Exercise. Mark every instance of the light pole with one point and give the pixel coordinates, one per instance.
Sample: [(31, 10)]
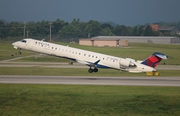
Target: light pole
[(50, 31), (24, 29), (27, 33)]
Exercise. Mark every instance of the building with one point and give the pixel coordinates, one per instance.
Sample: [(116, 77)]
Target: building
[(155, 27), (104, 41), (172, 30), (165, 29), (124, 40)]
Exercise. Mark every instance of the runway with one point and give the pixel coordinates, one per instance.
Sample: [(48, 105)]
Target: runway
[(66, 65), (87, 80)]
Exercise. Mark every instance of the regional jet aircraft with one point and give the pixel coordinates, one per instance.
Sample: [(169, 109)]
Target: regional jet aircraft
[(92, 59)]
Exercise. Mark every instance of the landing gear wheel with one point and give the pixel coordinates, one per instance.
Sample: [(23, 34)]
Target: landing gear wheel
[(90, 70), (95, 70), (19, 52)]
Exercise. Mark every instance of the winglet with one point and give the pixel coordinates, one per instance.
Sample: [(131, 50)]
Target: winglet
[(154, 59), (160, 55)]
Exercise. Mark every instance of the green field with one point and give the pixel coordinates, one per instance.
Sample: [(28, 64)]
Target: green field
[(76, 100), (136, 51), (82, 100), (7, 50), (77, 72)]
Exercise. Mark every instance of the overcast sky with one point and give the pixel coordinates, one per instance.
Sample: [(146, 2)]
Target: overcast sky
[(126, 12)]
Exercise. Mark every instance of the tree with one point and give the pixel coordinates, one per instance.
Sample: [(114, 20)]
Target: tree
[(2, 30), (106, 32), (140, 31), (75, 30), (92, 28), (121, 30), (31, 27), (57, 26), (42, 29), (69, 31), (107, 25), (149, 32), (15, 29)]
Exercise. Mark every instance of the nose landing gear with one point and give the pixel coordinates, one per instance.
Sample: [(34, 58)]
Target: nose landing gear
[(19, 51)]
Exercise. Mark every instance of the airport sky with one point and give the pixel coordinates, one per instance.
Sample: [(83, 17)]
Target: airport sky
[(123, 12)]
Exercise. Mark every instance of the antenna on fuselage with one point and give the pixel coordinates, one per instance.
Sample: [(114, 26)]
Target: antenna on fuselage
[(42, 39)]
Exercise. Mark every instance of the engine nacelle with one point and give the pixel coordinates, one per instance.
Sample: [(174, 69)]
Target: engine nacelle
[(130, 59), (126, 63)]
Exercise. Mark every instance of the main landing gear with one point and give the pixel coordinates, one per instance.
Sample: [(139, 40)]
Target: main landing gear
[(92, 70)]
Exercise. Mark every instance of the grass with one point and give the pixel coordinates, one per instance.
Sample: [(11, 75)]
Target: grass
[(43, 58), (7, 50), (76, 100), (76, 72), (138, 51), (79, 100)]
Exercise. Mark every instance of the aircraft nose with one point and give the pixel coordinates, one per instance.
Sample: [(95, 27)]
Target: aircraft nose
[(15, 44)]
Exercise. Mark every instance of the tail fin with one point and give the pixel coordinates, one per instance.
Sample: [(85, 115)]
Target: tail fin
[(154, 59)]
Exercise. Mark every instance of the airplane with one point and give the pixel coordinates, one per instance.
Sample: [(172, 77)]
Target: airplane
[(92, 59)]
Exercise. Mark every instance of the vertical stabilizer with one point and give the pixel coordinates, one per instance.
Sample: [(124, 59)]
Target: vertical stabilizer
[(154, 59)]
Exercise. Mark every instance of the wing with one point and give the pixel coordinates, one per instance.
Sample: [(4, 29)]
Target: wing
[(90, 64)]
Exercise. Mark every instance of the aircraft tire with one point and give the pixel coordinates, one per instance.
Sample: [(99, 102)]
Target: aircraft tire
[(90, 70), (95, 70)]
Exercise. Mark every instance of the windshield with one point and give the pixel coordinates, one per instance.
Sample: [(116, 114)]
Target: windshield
[(23, 41)]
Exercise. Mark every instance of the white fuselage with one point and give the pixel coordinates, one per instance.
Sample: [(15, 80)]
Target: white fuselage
[(83, 56)]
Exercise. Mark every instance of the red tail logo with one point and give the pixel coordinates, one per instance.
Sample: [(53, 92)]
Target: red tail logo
[(154, 59)]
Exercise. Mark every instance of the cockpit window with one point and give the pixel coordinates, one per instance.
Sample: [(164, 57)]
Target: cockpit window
[(23, 41)]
